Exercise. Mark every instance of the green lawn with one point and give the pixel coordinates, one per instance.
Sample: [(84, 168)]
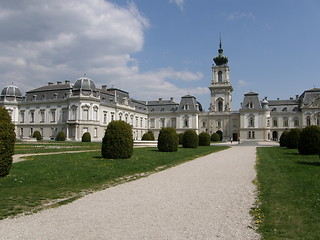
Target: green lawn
[(57, 179), (54, 146), (289, 186)]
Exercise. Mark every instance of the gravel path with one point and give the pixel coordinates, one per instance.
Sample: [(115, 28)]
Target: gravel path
[(208, 198)]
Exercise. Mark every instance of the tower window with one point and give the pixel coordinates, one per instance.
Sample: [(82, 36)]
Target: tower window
[(220, 76), (220, 106)]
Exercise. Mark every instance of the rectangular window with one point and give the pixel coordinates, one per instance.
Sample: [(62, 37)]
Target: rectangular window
[(296, 122), (253, 134), (105, 115), (85, 114), (42, 116), (21, 116), (249, 134), (162, 122), (141, 122), (95, 132), (21, 132), (137, 121), (152, 123), (53, 116), (64, 115), (173, 122), (275, 122), (32, 116)]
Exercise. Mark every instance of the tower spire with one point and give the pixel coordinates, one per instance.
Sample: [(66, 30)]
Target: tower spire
[(220, 59)]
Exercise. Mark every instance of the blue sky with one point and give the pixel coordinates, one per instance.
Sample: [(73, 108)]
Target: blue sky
[(163, 48)]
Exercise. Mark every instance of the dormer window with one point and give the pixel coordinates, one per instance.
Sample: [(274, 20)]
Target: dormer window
[(186, 107), (284, 109), (273, 110), (55, 95), (34, 98), (250, 105)]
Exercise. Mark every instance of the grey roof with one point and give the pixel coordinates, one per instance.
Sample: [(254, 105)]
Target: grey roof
[(309, 96), (12, 91), (162, 106), (85, 84), (52, 87), (188, 103), (251, 101)]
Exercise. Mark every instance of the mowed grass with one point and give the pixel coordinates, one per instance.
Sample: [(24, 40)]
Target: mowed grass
[(54, 146), (289, 186), (51, 180)]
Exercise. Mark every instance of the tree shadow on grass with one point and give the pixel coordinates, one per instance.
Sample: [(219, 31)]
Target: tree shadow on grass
[(317, 164)]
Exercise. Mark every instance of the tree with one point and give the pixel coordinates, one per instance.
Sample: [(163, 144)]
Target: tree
[(61, 136), (293, 137), (86, 137), (204, 139), (215, 137), (283, 139), (37, 135), (117, 142), (309, 142), (7, 140), (190, 139), (168, 140)]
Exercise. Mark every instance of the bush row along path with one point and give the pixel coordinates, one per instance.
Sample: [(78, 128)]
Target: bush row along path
[(208, 198)]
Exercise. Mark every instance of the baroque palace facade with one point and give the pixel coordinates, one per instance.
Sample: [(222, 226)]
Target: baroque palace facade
[(81, 107)]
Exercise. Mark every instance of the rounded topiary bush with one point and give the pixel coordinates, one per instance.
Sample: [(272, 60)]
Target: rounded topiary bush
[(215, 137), (283, 139), (190, 139), (61, 136), (204, 139), (168, 140), (309, 142), (117, 142), (180, 138), (86, 137), (293, 137), (148, 136), (7, 140), (37, 135)]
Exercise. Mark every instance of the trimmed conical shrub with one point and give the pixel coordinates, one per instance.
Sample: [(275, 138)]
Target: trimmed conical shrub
[(117, 142), (190, 139), (215, 137), (61, 136), (309, 142), (283, 139), (293, 137), (168, 140), (148, 136), (86, 137), (7, 140), (204, 139), (37, 135)]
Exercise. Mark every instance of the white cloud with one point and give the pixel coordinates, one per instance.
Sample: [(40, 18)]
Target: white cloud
[(45, 41), (179, 3), (242, 83), (241, 15)]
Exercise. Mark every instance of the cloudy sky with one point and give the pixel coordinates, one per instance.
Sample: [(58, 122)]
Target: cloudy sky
[(162, 48)]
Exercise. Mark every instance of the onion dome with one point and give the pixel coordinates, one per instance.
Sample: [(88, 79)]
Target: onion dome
[(220, 59), (11, 91), (84, 83)]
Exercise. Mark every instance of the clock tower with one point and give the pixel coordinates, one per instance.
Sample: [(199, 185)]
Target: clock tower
[(221, 89)]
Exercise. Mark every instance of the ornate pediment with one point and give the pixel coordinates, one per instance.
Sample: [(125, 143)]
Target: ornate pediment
[(315, 103)]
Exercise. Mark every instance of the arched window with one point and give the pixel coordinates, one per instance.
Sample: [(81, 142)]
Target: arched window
[(220, 76), (318, 120), (285, 122), (251, 122), (308, 120), (220, 106), (296, 122)]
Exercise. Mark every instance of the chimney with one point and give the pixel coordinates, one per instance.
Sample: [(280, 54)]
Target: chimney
[(58, 82), (67, 82), (278, 99), (171, 99), (104, 87), (297, 97), (50, 83), (160, 100)]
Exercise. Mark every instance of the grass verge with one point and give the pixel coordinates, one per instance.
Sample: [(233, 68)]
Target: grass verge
[(54, 146), (51, 180), (289, 188)]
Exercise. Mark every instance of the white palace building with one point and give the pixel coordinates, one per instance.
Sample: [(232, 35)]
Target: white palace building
[(79, 107)]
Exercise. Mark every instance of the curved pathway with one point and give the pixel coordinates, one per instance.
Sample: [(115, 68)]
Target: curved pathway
[(208, 198)]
